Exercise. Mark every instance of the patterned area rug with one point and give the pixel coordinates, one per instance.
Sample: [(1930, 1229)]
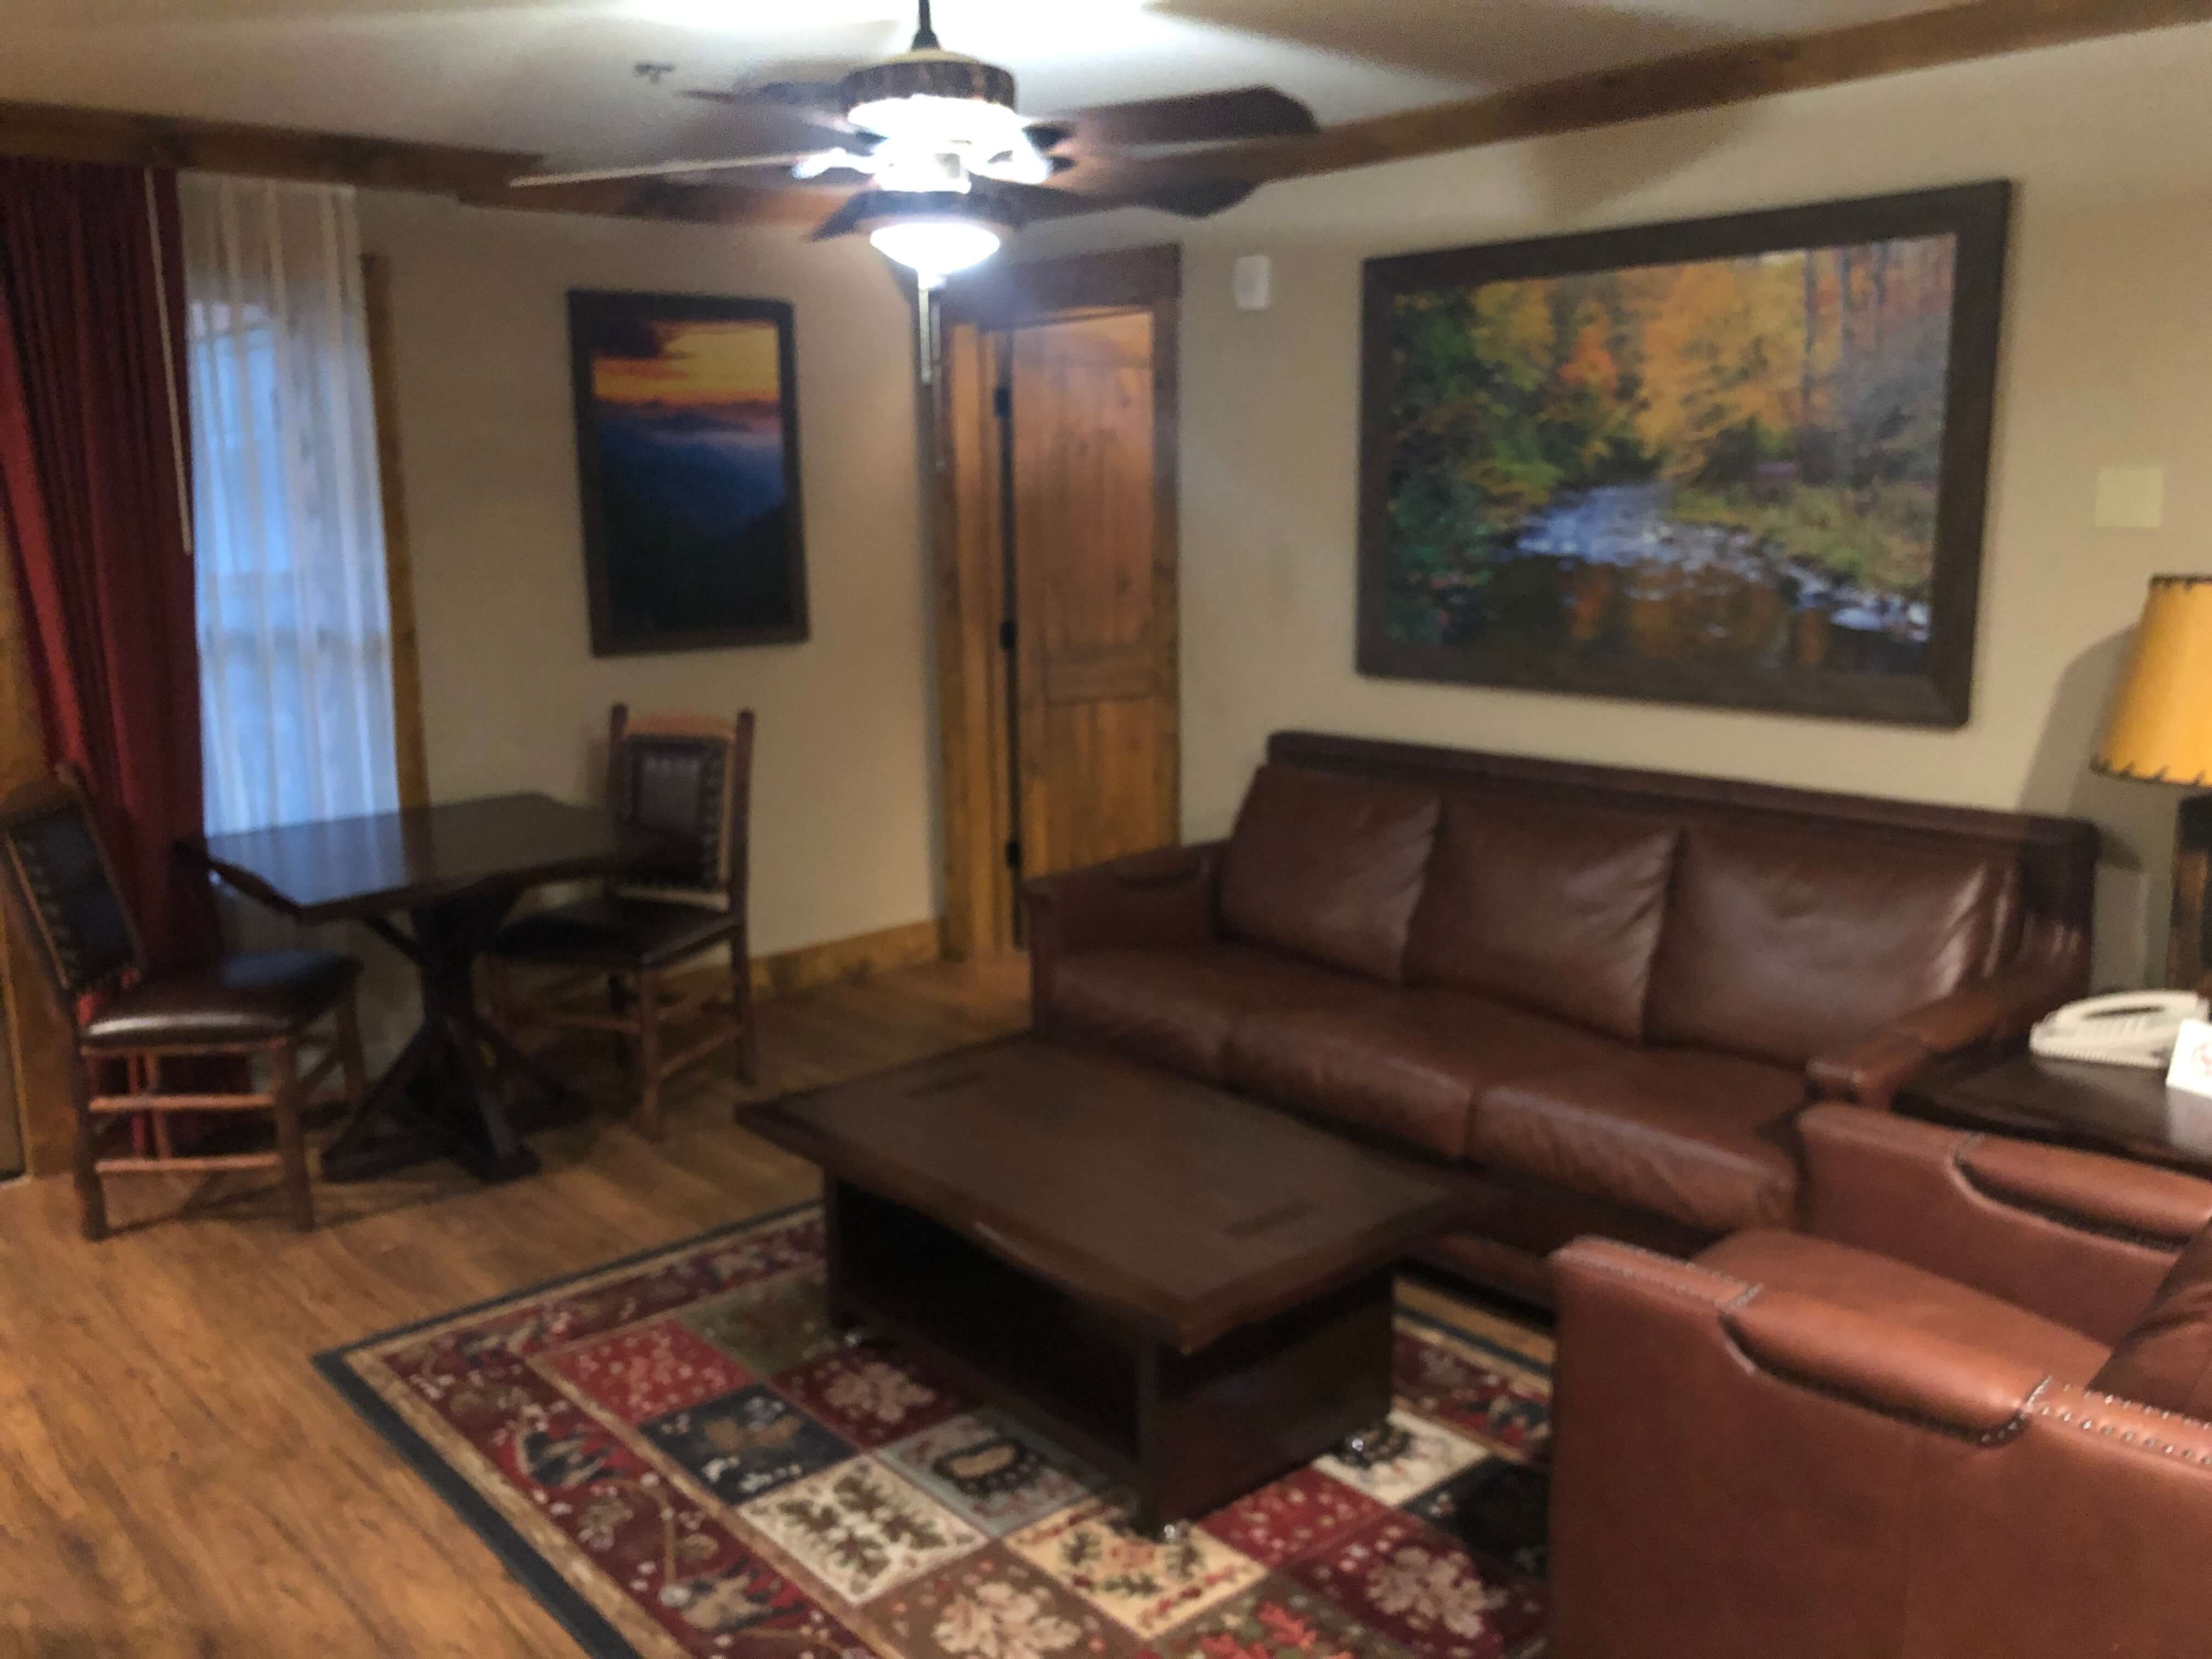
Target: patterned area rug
[(678, 1459)]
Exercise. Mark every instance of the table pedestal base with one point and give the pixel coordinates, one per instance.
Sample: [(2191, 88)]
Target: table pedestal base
[(444, 1097)]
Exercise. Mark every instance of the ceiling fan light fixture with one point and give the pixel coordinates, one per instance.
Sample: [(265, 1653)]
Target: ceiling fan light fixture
[(936, 236), (915, 170), (932, 118), (936, 246)]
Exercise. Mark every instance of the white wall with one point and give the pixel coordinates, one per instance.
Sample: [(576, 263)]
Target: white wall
[(843, 837), (2107, 359)]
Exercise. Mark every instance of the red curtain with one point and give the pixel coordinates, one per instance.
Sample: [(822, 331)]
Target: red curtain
[(92, 471)]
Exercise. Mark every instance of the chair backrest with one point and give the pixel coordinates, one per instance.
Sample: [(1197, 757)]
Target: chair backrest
[(690, 776), (64, 887)]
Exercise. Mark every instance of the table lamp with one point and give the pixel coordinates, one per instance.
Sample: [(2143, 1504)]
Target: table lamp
[(2159, 731)]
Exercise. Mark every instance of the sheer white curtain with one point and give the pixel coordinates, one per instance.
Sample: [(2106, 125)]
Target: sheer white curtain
[(294, 620)]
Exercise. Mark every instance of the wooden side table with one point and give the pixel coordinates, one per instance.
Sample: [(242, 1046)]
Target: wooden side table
[(2124, 1110)]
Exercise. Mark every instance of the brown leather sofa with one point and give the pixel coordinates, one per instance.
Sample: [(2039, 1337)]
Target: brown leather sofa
[(1963, 1415), (1602, 996)]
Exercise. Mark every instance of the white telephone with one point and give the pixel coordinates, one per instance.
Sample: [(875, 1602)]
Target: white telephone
[(2127, 1028)]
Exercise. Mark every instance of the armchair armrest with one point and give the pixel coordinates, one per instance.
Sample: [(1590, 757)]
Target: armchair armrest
[(1165, 898), (1742, 1473), (2074, 1236), (1871, 1071)]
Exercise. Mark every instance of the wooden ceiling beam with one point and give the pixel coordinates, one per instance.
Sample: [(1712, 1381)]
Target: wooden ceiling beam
[(1710, 78), (174, 141)]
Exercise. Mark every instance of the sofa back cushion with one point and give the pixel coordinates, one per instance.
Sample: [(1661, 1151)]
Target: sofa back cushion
[(1554, 908), (2165, 1359), (1785, 944), (1327, 865)]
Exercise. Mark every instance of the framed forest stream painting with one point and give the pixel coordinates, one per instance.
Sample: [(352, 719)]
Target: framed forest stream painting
[(1739, 461), (687, 446)]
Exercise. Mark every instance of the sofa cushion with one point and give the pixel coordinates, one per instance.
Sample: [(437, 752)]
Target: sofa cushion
[(1884, 1289), (1406, 1065), (1552, 907), (1327, 866), (1705, 1139), (1177, 1007), (1785, 946), (2165, 1359)]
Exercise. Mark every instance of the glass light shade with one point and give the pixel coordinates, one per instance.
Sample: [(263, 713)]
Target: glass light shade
[(2160, 725), (936, 246)]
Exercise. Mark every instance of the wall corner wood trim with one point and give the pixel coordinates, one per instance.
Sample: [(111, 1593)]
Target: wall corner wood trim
[(410, 746), (970, 603)]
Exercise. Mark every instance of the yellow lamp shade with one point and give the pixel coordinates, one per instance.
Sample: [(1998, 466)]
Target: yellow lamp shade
[(2160, 728)]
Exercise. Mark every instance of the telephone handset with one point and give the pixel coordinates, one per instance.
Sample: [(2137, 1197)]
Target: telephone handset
[(2127, 1028)]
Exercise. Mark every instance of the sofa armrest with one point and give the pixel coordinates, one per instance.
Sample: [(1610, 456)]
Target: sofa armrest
[(1871, 1071), (1161, 898), (1709, 1453), (2077, 1237), (1842, 1486)]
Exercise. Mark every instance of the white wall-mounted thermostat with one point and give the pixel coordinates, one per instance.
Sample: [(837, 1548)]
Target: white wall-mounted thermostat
[(1255, 284)]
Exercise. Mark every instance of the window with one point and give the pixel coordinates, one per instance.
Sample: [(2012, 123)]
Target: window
[(294, 617)]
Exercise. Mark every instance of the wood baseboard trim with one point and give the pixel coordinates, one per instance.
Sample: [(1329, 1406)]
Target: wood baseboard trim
[(912, 944)]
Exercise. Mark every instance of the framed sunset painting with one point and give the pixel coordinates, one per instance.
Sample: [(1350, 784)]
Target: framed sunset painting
[(687, 441), (1741, 461)]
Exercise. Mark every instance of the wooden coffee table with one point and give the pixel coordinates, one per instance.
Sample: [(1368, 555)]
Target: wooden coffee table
[(1189, 1290)]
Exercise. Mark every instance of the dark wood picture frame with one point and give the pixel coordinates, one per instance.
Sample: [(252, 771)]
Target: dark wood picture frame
[(595, 315), (1939, 694)]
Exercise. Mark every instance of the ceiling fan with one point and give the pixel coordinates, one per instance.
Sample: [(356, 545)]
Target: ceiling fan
[(947, 165)]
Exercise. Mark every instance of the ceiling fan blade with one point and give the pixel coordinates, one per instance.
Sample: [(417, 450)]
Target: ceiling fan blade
[(822, 96), (663, 170), (848, 218), (1197, 117), (1095, 188)]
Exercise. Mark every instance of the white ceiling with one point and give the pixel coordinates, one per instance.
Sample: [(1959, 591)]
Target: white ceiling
[(558, 77)]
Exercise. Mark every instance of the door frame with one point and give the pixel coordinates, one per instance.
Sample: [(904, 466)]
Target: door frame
[(977, 812)]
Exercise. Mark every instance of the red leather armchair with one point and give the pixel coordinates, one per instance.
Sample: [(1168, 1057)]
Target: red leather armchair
[(1960, 1416)]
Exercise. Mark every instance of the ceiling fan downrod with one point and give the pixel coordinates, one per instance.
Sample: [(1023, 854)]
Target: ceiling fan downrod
[(925, 38)]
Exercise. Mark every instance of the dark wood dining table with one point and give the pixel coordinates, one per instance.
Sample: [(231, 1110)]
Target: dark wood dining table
[(454, 870)]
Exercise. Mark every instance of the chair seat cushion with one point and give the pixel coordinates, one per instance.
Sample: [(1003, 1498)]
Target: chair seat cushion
[(1705, 1139), (615, 932), (1903, 1295), (1177, 1007), (1407, 1066), (250, 998)]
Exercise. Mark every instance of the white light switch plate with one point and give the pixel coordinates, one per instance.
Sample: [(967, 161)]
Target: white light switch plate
[(2131, 498), (1255, 282)]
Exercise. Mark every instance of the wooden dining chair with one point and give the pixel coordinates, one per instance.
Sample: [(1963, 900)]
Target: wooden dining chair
[(126, 1023), (689, 778)]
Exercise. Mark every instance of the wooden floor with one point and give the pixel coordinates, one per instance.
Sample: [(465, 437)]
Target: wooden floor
[(175, 1479)]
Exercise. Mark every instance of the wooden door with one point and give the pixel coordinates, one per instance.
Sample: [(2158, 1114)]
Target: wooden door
[(1091, 587)]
